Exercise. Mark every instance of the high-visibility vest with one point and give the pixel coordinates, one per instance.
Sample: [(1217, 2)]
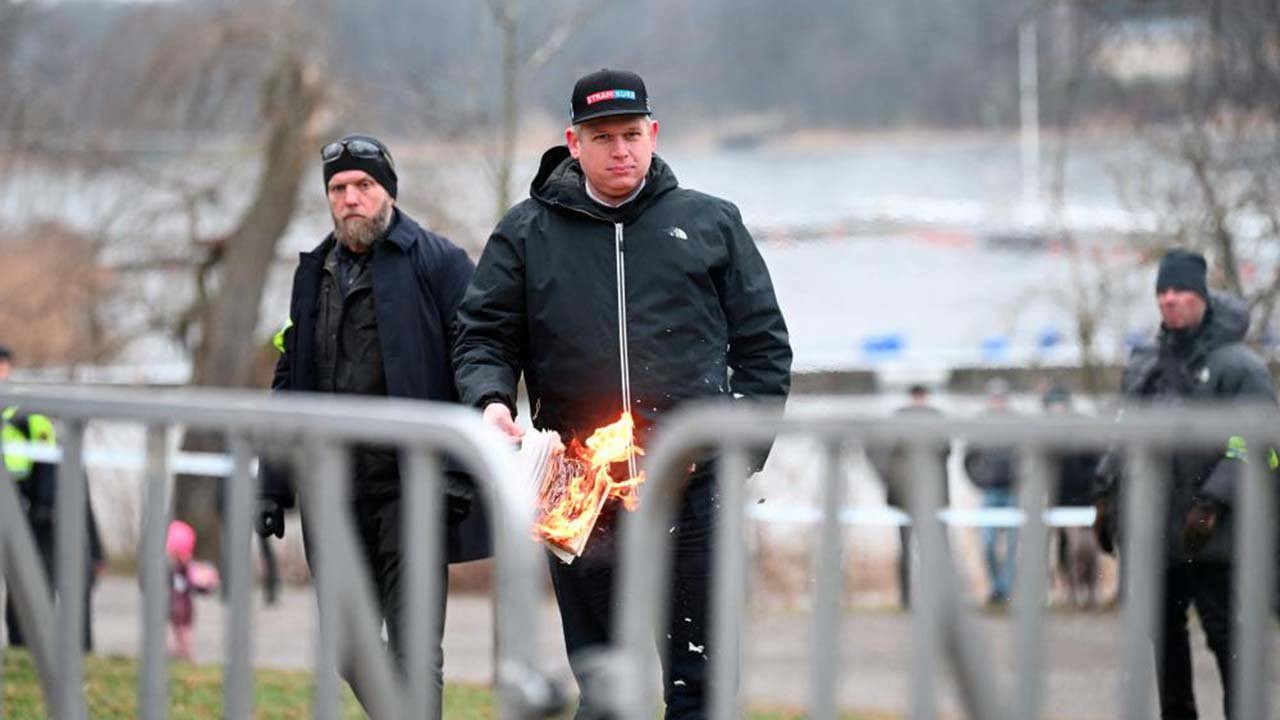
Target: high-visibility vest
[(40, 430), (1238, 450)]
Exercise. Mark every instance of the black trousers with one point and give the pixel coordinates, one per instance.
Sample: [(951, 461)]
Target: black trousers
[(270, 570), (378, 531), (45, 549), (1208, 587), (587, 599)]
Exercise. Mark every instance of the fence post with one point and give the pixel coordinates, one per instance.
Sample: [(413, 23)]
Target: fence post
[(1144, 504), (729, 586), (1255, 582), (69, 568), (829, 591), (153, 682), (1033, 549), (236, 549)]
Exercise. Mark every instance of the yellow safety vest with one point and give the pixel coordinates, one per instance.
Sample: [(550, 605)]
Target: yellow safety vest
[(18, 462)]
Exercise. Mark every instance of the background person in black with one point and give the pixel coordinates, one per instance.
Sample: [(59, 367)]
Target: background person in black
[(370, 315), (613, 283), (1077, 546), (1198, 356), (892, 465)]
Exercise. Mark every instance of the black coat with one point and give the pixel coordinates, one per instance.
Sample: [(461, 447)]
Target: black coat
[(1211, 364), (544, 302), (992, 467), (418, 281)]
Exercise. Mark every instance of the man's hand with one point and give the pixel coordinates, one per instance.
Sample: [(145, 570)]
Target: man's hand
[(1202, 521), (498, 415), (1102, 526), (269, 519)]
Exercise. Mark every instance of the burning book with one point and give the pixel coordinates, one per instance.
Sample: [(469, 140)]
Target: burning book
[(574, 483)]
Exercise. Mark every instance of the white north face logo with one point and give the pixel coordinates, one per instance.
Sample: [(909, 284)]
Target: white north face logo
[(677, 233)]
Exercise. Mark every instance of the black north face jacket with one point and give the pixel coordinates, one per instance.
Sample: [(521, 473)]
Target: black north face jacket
[(562, 277)]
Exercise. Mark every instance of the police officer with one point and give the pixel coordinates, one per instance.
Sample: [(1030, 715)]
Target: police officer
[(37, 489)]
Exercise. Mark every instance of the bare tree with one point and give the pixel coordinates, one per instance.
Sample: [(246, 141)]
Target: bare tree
[(199, 64), (519, 61), (1217, 148)]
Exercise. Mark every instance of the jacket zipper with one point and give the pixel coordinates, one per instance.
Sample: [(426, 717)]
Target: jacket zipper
[(624, 361)]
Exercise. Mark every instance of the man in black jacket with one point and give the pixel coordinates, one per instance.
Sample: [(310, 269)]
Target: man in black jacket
[(370, 314), (1198, 356), (614, 290), (893, 464)]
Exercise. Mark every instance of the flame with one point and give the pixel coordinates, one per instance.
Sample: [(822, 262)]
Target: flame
[(574, 501)]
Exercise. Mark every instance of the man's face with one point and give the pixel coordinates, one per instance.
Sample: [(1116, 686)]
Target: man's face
[(1180, 309), (615, 152), (361, 208)]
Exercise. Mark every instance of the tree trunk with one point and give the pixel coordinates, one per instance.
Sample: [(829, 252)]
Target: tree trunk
[(225, 356)]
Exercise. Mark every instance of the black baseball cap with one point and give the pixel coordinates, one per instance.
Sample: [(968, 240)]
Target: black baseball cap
[(608, 92)]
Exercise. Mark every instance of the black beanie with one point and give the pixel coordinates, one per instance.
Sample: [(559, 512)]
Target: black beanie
[(381, 168), (1182, 270)]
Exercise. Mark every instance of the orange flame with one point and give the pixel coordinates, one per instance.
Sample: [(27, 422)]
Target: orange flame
[(569, 510)]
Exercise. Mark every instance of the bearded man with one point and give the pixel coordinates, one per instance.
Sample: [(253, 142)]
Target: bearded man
[(371, 312)]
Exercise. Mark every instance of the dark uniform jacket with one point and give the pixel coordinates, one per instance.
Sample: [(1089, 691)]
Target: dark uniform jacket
[(992, 467), (418, 279), (892, 462), (1209, 364), (561, 273)]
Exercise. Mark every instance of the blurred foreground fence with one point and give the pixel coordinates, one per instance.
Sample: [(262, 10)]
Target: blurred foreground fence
[(943, 636), (942, 631), (319, 430)]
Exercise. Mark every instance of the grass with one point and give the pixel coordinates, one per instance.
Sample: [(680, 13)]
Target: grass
[(195, 691)]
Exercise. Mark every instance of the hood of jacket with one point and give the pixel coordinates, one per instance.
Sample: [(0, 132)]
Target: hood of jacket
[(1229, 320), (560, 184)]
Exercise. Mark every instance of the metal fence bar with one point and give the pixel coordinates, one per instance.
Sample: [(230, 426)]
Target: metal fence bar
[(1255, 582), (728, 585), (321, 500), (360, 654), (1032, 580), (930, 584), (1143, 554), (69, 568), (646, 555), (236, 548), (829, 571), (153, 682), (422, 540)]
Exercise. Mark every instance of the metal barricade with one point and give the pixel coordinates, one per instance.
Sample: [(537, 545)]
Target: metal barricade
[(322, 428), (941, 628)]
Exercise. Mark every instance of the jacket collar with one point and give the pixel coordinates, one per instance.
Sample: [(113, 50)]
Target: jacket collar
[(560, 183)]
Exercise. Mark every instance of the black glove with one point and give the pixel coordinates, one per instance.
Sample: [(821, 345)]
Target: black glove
[(1102, 526), (269, 519), (1202, 521)]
